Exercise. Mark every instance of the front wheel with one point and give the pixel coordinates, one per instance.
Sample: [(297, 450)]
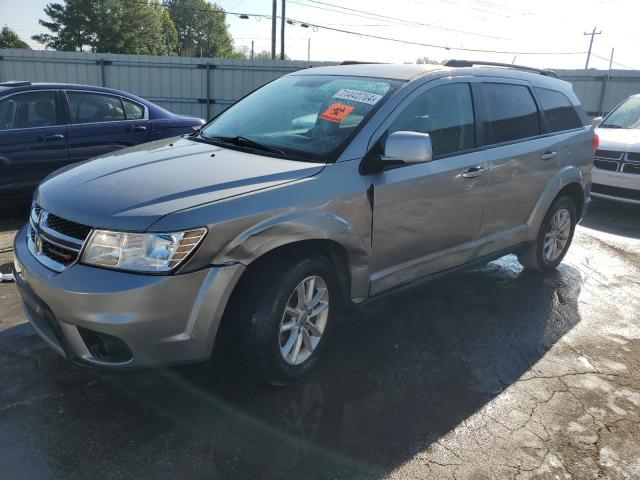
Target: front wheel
[(289, 313), (553, 239)]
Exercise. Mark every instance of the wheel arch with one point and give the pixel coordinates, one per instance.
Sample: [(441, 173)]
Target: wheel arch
[(567, 181), (320, 232)]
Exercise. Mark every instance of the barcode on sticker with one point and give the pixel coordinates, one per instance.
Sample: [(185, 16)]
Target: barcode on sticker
[(358, 96)]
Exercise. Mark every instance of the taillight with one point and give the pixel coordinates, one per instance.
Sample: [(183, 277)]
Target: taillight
[(596, 141)]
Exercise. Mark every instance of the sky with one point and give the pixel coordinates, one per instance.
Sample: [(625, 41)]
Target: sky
[(554, 29)]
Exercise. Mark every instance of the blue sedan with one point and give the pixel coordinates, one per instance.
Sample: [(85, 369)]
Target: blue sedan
[(46, 126)]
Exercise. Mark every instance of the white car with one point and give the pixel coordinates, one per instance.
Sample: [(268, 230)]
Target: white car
[(616, 172)]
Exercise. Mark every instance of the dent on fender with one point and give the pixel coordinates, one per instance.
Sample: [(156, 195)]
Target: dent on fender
[(291, 228)]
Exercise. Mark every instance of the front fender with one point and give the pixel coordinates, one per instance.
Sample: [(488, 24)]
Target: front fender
[(290, 228)]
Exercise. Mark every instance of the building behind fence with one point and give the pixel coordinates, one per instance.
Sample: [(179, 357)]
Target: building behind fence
[(204, 87)]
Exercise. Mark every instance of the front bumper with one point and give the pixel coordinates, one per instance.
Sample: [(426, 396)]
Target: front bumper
[(618, 186), (161, 319)]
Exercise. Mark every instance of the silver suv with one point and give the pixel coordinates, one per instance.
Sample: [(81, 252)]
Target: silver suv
[(323, 189)]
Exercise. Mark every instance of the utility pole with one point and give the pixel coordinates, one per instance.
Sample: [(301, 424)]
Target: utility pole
[(309, 49), (274, 13), (282, 31), (592, 34), (605, 86), (251, 49), (611, 59)]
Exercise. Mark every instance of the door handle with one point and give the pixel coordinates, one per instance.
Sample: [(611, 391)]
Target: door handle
[(474, 172), (549, 155), (51, 138), (137, 128)]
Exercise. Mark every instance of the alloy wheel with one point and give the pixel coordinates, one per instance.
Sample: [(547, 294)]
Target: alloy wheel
[(304, 320), (557, 236)]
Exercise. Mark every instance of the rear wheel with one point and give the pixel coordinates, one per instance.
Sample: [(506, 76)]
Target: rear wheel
[(288, 314), (553, 239)]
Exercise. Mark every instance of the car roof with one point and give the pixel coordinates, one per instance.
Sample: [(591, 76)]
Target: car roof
[(412, 72), (378, 70), (409, 72), (17, 86)]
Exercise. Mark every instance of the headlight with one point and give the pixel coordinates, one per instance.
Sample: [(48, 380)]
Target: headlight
[(142, 252)]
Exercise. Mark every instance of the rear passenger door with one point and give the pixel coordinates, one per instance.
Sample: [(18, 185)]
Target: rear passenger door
[(522, 161), (33, 139), (100, 123)]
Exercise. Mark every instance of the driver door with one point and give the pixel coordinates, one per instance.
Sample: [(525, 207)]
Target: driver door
[(427, 216)]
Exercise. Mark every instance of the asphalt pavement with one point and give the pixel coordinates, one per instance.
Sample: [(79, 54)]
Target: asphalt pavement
[(487, 374)]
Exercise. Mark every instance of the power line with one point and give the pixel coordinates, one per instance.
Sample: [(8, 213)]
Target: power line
[(366, 35), (395, 20), (433, 45), (615, 63)]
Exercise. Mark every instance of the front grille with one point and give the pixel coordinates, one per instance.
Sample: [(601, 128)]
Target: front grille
[(609, 154), (58, 254), (53, 240), (631, 168), (606, 165), (633, 156), (66, 227), (616, 191)]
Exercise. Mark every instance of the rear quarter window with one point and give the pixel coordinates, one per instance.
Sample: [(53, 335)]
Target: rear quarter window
[(559, 112)]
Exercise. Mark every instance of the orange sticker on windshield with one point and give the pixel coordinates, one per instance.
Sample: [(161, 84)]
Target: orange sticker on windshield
[(336, 112)]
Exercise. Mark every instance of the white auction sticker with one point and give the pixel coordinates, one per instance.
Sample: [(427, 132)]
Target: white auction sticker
[(358, 96)]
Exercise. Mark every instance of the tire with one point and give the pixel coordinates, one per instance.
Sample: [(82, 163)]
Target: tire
[(540, 259), (266, 330)]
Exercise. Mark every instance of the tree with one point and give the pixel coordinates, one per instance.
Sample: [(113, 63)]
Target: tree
[(201, 28), (428, 61), (266, 55), (10, 39), (109, 26)]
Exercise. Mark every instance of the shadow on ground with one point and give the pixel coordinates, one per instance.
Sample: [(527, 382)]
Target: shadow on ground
[(397, 376)]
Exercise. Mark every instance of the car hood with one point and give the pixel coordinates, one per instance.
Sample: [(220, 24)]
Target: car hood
[(619, 139), (132, 188)]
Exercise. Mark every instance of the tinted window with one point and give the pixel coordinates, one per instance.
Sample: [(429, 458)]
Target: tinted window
[(511, 111), (445, 113), (28, 110), (132, 111), (86, 107), (558, 110)]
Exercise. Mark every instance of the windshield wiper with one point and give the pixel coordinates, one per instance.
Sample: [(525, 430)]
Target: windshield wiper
[(245, 142)]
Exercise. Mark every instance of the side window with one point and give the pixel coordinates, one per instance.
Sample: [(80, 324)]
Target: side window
[(87, 107), (512, 113), (28, 110), (558, 110), (445, 113), (132, 111)]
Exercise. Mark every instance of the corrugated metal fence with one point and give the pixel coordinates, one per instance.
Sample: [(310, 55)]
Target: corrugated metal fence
[(601, 90), (205, 86), (201, 87)]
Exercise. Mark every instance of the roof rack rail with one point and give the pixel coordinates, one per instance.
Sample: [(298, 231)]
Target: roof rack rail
[(15, 83), (356, 62), (472, 63)]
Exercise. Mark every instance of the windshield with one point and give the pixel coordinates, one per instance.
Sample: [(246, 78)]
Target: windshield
[(308, 116), (627, 115)]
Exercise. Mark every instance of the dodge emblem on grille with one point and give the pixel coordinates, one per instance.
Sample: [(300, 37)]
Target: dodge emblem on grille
[(38, 246)]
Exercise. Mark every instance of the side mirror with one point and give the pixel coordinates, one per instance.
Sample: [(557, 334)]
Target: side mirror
[(407, 148), (595, 123)]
